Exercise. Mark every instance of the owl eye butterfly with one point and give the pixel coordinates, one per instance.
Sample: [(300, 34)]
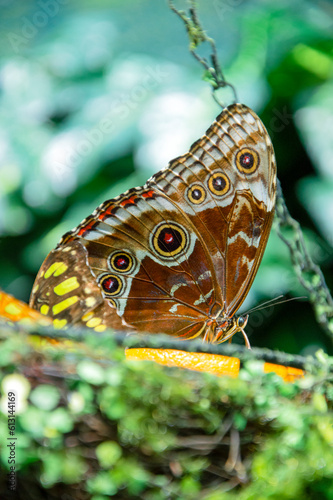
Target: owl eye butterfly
[(177, 255)]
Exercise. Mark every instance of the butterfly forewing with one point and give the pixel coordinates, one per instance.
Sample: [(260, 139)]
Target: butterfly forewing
[(177, 253)]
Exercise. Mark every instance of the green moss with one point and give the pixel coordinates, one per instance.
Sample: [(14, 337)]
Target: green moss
[(147, 430)]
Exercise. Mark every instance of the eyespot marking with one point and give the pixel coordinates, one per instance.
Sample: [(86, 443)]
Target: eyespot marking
[(219, 184), (122, 262), (169, 240), (112, 285), (196, 194), (247, 160)]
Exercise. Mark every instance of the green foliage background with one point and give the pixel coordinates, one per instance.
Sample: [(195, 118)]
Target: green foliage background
[(96, 97)]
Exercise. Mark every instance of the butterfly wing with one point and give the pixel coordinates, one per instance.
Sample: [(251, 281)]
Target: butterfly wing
[(168, 256), (65, 287), (136, 254)]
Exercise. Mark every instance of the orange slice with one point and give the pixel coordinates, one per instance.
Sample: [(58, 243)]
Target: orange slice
[(203, 362), (15, 310), (288, 373)]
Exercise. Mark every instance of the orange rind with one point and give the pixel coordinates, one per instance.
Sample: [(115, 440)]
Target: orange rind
[(215, 364), (288, 373), (203, 362), (14, 310)]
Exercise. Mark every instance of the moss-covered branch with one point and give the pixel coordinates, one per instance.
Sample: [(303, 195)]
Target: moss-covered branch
[(89, 429)]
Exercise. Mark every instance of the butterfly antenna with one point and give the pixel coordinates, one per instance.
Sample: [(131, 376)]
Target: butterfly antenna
[(264, 304), (275, 301)]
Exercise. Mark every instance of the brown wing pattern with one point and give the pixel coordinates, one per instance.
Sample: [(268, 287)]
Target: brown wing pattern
[(177, 253), (141, 279), (236, 207)]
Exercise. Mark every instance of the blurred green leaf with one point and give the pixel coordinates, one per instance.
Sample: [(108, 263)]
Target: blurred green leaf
[(45, 397), (108, 453), (91, 372)]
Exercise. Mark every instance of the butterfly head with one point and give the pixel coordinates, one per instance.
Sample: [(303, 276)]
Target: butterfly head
[(226, 329)]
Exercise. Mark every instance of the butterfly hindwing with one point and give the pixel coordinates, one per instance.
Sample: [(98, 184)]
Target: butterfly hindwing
[(144, 251)]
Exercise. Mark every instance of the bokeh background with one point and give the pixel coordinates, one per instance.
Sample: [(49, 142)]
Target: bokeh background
[(97, 96)]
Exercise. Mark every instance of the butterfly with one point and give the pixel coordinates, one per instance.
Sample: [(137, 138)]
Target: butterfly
[(177, 255)]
